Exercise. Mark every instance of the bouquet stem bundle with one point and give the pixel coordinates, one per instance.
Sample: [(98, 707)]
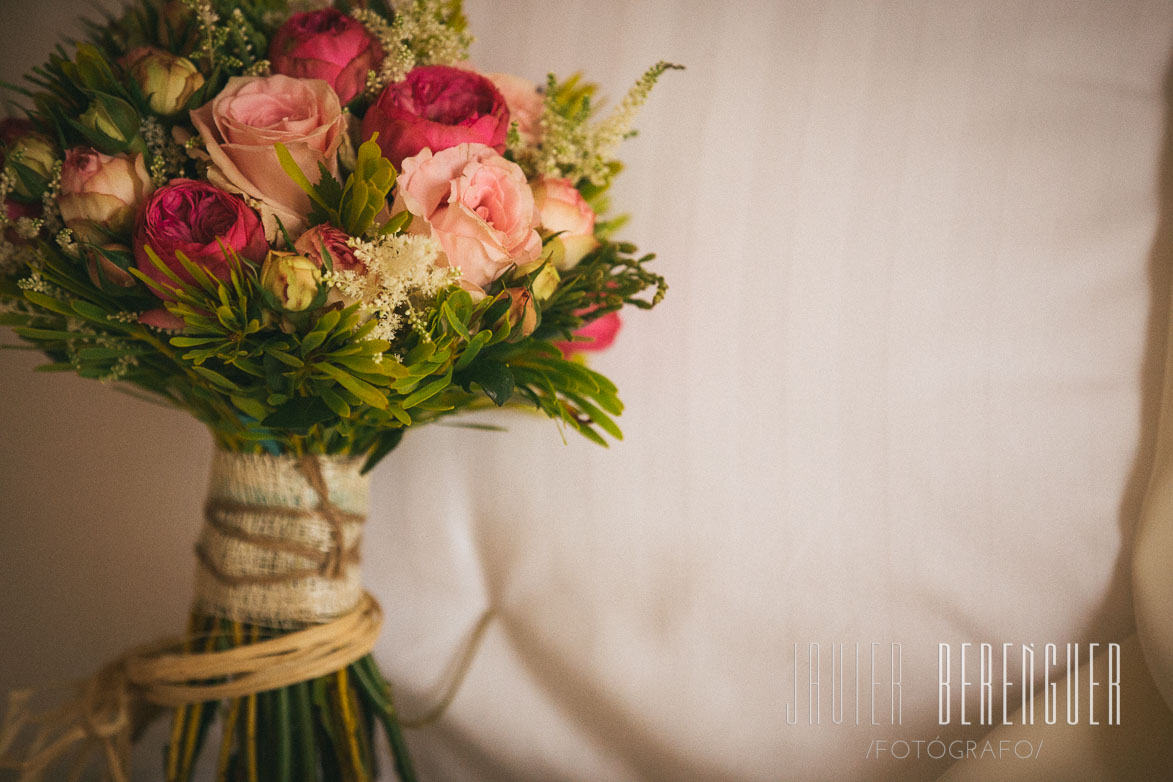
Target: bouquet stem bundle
[(324, 728)]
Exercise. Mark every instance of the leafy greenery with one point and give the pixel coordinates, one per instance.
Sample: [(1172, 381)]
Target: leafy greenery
[(322, 385), (353, 207)]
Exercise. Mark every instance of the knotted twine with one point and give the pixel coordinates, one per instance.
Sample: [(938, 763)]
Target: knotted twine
[(279, 548)]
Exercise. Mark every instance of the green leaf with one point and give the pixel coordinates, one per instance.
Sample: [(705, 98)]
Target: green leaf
[(396, 224), (49, 303), (215, 377), (365, 364), (335, 403), (360, 388), (285, 358), (457, 323), (479, 340), (320, 331), (250, 407), (383, 446), (495, 379), (597, 416), (431, 389), (299, 413), (191, 342), (298, 176)]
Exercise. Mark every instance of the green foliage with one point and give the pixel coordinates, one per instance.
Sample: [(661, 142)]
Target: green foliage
[(604, 281), (353, 207)]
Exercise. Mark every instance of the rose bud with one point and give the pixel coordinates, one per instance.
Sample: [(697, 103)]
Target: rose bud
[(196, 219), (563, 211), (293, 280), (326, 45), (110, 124), (523, 313), (322, 239), (168, 82), (29, 163), (437, 107), (594, 336), (101, 194), (546, 282), (107, 266)]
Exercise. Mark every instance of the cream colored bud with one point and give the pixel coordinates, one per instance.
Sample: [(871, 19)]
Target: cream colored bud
[(546, 282), (36, 153), (293, 279), (167, 81)]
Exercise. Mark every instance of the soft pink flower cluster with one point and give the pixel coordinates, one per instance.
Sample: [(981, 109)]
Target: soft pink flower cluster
[(444, 129)]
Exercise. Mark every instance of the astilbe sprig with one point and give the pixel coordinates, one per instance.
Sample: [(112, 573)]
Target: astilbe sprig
[(573, 144), (422, 32)]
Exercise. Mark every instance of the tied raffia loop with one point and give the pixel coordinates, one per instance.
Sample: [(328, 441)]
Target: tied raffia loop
[(97, 725), (280, 544)]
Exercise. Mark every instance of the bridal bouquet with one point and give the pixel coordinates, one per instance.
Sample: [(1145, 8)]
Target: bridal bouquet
[(313, 228)]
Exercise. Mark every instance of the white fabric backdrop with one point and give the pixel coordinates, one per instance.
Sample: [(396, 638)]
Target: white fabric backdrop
[(900, 391)]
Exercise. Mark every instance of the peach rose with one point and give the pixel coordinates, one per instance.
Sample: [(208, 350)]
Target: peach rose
[(101, 193), (563, 211), (476, 204), (524, 103), (251, 114)]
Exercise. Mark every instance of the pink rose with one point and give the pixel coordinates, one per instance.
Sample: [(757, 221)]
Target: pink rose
[(478, 207), (310, 243), (565, 212), (524, 102), (594, 336), (251, 114), (101, 193), (327, 45), (195, 218), (437, 107)]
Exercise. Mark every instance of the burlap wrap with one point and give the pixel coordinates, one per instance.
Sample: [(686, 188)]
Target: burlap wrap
[(275, 551)]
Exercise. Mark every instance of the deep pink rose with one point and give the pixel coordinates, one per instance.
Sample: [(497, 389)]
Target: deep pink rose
[(597, 335), (476, 204), (195, 218), (310, 243), (241, 125), (437, 107), (326, 45), (12, 128)]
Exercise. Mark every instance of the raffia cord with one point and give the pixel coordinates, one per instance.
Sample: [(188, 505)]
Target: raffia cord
[(101, 718)]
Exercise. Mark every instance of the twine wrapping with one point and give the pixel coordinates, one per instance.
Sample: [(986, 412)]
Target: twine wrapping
[(280, 543)]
